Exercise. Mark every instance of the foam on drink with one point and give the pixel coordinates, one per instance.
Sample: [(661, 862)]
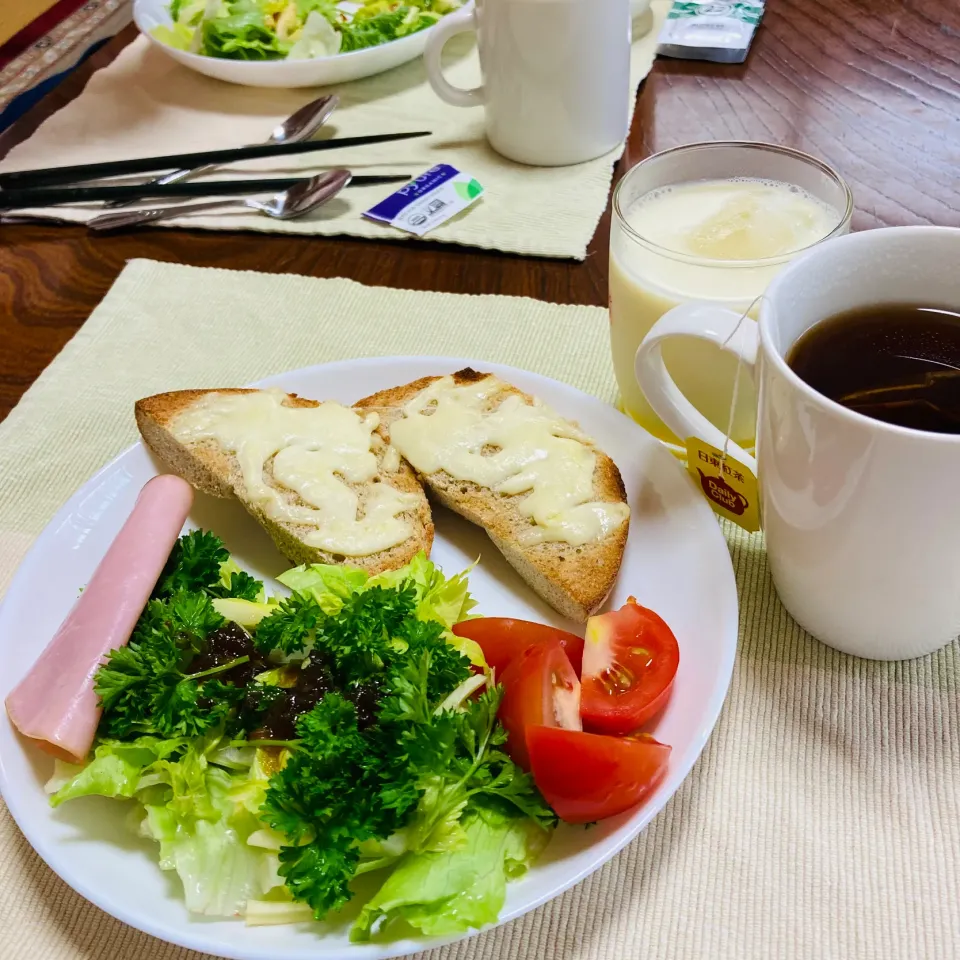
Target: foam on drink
[(738, 219)]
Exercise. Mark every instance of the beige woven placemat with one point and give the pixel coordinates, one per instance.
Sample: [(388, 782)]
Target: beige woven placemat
[(821, 823), (145, 104)]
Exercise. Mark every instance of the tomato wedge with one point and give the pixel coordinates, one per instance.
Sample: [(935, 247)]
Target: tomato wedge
[(539, 689), (630, 657), (587, 776), (502, 638)]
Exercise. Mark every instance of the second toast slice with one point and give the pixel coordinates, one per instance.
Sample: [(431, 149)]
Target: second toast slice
[(552, 502)]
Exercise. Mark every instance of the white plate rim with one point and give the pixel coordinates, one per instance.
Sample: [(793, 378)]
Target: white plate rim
[(196, 940)]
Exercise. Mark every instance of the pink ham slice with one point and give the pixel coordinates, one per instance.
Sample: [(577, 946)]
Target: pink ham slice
[(55, 703)]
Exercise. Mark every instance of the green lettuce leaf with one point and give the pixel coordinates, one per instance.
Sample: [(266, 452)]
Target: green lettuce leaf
[(317, 39), (449, 892), (179, 36), (248, 613), (328, 8), (116, 769), (243, 34), (220, 872), (378, 22), (187, 11), (446, 600), (438, 598), (202, 814), (329, 585), (204, 822)]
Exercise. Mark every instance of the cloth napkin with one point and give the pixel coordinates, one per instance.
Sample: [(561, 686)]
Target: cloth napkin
[(820, 822), (145, 104)]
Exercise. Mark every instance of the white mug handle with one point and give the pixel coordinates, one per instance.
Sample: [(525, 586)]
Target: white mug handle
[(704, 321), (461, 22)]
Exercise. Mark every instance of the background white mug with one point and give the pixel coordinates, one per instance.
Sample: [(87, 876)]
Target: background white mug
[(556, 75), (862, 518)]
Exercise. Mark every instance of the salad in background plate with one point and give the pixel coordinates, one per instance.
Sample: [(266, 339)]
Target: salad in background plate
[(293, 29)]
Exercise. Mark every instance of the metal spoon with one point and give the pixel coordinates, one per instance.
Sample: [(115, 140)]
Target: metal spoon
[(286, 205), (299, 126)]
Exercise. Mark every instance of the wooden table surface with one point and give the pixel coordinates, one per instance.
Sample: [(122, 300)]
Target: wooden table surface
[(871, 86)]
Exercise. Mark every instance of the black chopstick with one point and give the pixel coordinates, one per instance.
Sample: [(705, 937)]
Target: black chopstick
[(179, 161), (52, 196)]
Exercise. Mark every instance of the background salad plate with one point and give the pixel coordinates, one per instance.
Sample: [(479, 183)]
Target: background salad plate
[(316, 72), (676, 562)]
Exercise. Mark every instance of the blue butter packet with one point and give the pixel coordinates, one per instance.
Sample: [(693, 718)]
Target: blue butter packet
[(433, 198)]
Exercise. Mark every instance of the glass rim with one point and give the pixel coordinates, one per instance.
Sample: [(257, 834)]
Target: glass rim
[(761, 145)]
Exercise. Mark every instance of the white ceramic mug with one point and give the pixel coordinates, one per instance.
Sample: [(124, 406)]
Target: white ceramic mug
[(862, 518), (556, 75)]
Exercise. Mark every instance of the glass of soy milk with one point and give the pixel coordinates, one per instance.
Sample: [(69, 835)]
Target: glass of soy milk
[(710, 221)]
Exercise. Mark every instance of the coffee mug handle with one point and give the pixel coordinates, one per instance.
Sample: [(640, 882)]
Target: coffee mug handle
[(705, 321), (452, 24)]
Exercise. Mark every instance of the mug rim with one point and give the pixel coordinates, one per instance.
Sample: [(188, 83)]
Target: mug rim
[(778, 359)]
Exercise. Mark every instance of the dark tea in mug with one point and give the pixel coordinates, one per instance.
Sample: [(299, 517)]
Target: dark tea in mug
[(899, 363)]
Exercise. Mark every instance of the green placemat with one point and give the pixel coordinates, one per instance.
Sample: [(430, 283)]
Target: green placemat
[(822, 820)]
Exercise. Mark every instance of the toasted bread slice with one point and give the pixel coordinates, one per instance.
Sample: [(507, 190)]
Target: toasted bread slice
[(574, 580), (213, 470)]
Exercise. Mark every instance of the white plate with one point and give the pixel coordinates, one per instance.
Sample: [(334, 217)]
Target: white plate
[(318, 72), (676, 562)]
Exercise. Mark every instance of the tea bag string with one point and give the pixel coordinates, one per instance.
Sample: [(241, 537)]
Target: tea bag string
[(736, 377)]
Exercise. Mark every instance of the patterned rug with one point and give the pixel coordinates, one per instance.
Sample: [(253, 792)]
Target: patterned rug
[(46, 50)]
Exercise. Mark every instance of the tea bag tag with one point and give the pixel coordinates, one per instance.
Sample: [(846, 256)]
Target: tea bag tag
[(730, 487)]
